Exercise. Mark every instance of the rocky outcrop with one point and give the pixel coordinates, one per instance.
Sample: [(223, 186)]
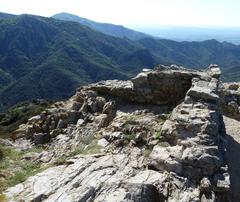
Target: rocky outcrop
[(164, 86), (158, 137), (230, 99), (196, 133), (116, 177)]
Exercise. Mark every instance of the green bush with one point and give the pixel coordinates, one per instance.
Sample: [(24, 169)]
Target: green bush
[(19, 114)]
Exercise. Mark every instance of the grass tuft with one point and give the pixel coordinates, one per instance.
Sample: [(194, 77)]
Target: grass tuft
[(15, 169), (158, 135)]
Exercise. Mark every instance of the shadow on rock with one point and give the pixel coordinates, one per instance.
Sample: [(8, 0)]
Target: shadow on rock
[(233, 155)]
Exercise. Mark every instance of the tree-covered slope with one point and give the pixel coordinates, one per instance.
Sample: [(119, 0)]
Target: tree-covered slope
[(48, 58), (191, 54), (197, 54)]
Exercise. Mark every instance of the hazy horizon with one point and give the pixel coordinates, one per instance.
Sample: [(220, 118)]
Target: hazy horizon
[(136, 13)]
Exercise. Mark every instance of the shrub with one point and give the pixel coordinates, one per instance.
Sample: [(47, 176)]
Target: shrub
[(19, 114)]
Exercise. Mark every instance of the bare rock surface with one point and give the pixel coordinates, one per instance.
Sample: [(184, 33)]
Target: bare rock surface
[(115, 177), (164, 86), (158, 137), (230, 99), (195, 132)]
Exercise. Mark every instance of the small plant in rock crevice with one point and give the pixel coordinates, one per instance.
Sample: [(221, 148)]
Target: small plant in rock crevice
[(158, 135), (130, 136)]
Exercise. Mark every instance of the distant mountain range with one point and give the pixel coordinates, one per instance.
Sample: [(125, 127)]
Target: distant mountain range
[(106, 28), (176, 33), (181, 33), (48, 58)]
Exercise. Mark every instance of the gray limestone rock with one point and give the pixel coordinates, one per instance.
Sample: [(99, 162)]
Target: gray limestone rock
[(149, 154)]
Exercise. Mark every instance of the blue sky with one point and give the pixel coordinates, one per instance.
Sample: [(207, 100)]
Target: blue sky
[(136, 12)]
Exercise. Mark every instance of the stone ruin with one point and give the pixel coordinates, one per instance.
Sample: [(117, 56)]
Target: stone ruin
[(161, 134)]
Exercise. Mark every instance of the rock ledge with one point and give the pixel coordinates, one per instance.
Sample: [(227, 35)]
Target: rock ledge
[(161, 137)]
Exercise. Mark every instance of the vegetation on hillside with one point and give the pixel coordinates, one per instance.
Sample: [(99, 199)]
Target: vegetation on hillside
[(106, 28), (48, 58), (14, 168), (19, 114)]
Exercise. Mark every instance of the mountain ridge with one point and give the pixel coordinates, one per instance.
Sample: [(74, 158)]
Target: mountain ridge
[(48, 58), (34, 47), (106, 28)]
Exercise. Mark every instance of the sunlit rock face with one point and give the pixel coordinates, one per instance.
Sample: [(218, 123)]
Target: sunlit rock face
[(230, 99), (157, 137)]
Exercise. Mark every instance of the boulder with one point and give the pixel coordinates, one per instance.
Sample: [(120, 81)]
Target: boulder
[(73, 117), (166, 158), (41, 138)]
